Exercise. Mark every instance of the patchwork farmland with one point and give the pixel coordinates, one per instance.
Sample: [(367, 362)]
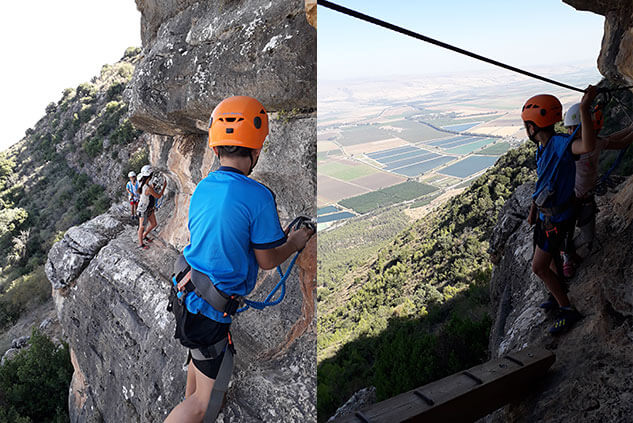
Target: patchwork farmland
[(404, 155)]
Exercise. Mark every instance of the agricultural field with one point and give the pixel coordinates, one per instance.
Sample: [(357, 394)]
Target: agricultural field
[(469, 166), (414, 132), (473, 146), (362, 134), (334, 217), (330, 190), (496, 149), (420, 168), (387, 196), (326, 210), (345, 170), (461, 126)]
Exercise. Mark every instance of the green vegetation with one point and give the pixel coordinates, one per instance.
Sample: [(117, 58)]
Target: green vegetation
[(34, 384), (424, 200), (359, 238), (409, 352), (41, 196), (136, 162), (131, 52), (387, 196), (345, 172), (496, 149), (422, 297)]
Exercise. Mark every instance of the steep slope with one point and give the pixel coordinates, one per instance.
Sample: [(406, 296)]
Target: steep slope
[(423, 295), (111, 298), (66, 169)]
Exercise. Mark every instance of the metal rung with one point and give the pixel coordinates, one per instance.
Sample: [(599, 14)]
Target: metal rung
[(473, 377), (426, 399)]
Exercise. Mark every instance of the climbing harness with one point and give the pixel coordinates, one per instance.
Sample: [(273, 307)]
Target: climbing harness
[(186, 279), (212, 352), (399, 29)]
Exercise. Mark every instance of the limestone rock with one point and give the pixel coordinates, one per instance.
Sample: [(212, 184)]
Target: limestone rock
[(198, 53), (20, 342), (360, 399), (593, 367), (8, 355), (72, 254), (616, 55)]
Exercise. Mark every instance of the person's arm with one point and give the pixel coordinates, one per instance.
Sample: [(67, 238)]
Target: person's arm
[(587, 142), (532, 214), (273, 257), (127, 188), (154, 193), (620, 139)]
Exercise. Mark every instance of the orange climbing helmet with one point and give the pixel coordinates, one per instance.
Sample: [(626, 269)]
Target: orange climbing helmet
[(240, 121), (543, 110)]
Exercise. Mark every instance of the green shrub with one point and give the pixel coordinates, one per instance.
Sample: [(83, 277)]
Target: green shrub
[(115, 90), (86, 113), (34, 384), (86, 89), (51, 108), (131, 52), (93, 146), (25, 292), (137, 160), (125, 133)]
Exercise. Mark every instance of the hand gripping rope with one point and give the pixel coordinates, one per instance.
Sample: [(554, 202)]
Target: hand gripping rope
[(297, 223)]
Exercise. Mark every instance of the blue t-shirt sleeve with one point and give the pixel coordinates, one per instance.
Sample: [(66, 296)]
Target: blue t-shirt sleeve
[(266, 230), (564, 146)]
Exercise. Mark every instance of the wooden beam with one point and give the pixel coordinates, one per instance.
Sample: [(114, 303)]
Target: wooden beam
[(465, 396)]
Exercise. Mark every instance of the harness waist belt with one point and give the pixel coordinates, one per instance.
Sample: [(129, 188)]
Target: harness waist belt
[(551, 211), (191, 280)]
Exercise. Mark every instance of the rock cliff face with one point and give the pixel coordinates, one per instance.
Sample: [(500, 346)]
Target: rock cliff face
[(591, 379), (616, 56), (111, 297)]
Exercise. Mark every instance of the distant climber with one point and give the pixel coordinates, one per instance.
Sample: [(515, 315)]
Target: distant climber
[(587, 173), (234, 230), (132, 190), (552, 210), (146, 205)]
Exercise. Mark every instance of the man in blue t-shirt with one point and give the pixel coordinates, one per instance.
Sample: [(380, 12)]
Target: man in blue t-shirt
[(234, 230), (554, 197)]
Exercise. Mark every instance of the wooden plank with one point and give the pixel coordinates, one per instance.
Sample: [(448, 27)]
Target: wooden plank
[(463, 396)]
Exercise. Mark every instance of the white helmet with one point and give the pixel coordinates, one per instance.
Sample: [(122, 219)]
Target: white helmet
[(132, 173), (572, 117), (146, 171)]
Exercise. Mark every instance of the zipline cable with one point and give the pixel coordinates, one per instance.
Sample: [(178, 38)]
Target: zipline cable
[(399, 29)]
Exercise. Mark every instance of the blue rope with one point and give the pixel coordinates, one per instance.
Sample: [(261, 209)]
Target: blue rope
[(615, 164), (268, 302)]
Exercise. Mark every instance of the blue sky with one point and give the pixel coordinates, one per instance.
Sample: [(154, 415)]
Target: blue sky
[(52, 45), (526, 34)]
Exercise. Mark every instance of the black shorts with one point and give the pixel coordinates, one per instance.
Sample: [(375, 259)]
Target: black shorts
[(559, 237), (204, 332)]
